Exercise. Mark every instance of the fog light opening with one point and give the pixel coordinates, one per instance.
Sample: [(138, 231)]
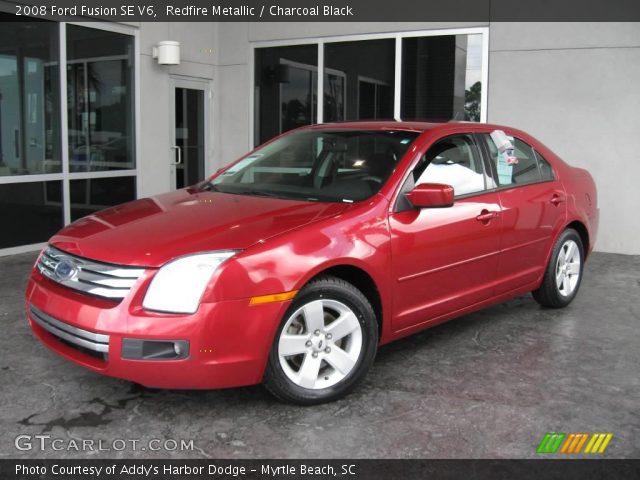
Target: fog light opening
[(138, 349)]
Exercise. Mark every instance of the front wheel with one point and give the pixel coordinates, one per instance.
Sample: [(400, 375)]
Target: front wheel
[(325, 344), (564, 273)]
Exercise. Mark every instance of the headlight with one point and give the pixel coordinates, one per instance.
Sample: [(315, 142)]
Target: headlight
[(179, 284)]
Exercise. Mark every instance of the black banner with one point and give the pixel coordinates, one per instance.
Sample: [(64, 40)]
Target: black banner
[(319, 469), (327, 10)]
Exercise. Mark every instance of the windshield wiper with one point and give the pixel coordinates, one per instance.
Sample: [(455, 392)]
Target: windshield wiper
[(249, 191), (262, 193), (267, 193)]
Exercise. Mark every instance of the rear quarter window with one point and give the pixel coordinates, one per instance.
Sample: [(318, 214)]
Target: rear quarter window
[(546, 172)]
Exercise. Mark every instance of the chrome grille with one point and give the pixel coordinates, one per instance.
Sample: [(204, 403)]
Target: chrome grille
[(96, 342), (95, 278)]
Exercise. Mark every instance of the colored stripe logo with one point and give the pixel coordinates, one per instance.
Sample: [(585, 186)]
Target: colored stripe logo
[(551, 442), (555, 442), (598, 443)]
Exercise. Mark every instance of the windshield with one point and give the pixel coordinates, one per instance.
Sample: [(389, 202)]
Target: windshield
[(318, 165)]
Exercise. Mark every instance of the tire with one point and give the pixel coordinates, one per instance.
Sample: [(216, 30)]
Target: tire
[(563, 276), (324, 345)]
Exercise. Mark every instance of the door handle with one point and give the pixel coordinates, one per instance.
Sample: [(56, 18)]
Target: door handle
[(179, 150), (557, 199), (486, 216)]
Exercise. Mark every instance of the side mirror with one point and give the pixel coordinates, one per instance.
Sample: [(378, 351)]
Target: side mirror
[(431, 195)]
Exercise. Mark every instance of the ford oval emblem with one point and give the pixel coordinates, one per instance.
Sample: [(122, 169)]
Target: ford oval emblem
[(65, 270)]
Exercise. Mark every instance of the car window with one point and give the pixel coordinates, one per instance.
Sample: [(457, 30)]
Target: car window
[(523, 169), (332, 165), (545, 169), (453, 161)]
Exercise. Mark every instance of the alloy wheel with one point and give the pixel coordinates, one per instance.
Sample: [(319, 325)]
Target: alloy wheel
[(568, 268), (320, 344)]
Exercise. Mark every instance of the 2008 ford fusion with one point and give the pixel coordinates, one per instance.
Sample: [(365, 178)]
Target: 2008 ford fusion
[(292, 265)]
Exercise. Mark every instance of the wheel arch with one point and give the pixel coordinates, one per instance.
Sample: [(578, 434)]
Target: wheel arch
[(360, 279), (580, 227)]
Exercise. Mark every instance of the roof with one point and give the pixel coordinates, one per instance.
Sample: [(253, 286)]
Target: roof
[(412, 125), (382, 125), (418, 126)]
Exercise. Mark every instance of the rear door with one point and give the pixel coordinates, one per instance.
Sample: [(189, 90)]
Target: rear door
[(533, 210), (444, 259)]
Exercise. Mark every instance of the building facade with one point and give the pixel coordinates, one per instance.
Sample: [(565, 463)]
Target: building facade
[(89, 119)]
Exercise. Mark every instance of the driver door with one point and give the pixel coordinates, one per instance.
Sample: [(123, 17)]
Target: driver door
[(445, 259)]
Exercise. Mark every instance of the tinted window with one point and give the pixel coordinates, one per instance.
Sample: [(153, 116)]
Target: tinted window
[(355, 87), (526, 168), (31, 212), (441, 77), (453, 161), (286, 89), (100, 100), (91, 195), (29, 98)]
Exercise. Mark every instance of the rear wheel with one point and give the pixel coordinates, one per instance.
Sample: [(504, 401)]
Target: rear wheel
[(564, 273), (325, 344)]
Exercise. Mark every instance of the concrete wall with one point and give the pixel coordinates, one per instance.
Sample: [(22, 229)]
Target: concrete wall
[(576, 87), (197, 42)]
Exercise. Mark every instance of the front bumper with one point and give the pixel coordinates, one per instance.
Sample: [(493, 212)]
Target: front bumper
[(229, 341)]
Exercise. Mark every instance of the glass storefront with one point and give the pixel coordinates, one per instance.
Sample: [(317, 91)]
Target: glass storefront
[(440, 79), (47, 169)]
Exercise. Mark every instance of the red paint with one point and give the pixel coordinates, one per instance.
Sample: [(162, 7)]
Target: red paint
[(428, 264), (431, 195)]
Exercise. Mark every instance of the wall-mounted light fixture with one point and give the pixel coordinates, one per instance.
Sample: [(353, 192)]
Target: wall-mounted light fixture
[(167, 52)]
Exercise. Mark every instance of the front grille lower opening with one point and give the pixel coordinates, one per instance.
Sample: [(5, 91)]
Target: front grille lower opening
[(92, 353)]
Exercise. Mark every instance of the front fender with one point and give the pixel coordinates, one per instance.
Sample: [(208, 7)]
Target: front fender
[(358, 237)]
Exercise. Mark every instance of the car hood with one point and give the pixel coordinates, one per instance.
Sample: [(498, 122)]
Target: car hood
[(151, 231)]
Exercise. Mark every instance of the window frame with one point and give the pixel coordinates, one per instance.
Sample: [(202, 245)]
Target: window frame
[(481, 139)]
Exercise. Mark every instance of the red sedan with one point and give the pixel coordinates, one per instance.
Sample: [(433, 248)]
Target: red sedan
[(292, 265)]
